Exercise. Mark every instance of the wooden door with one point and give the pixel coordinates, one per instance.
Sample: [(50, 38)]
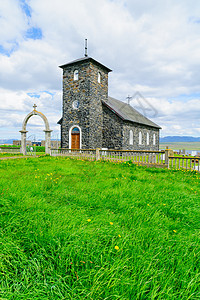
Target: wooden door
[(75, 138)]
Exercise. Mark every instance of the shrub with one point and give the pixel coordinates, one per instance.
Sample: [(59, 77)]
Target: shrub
[(40, 149)]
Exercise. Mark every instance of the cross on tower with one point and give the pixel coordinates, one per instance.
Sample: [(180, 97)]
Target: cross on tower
[(34, 106)]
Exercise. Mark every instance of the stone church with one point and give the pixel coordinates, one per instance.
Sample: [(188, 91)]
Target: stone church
[(91, 119)]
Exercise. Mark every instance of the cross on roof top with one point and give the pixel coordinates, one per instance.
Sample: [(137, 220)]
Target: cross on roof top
[(129, 98), (34, 106)]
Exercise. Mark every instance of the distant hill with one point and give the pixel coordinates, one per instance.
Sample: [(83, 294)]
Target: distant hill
[(166, 139), (175, 139), (10, 142)]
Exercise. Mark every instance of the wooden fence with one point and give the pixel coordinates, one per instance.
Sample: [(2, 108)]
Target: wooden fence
[(141, 157), (9, 150), (162, 159), (184, 162), (89, 154)]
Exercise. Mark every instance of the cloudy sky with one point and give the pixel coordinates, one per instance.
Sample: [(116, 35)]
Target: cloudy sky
[(152, 46)]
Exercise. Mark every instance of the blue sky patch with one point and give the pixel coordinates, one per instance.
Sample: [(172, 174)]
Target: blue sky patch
[(34, 33), (3, 51), (26, 8), (50, 93), (185, 97), (33, 95), (194, 20), (8, 52)]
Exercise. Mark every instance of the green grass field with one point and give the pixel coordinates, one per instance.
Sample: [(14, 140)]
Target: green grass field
[(181, 146), (92, 230), (5, 154)]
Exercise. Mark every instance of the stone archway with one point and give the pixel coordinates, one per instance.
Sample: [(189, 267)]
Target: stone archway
[(47, 131)]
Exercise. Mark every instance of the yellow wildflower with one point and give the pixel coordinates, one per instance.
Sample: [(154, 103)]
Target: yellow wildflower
[(89, 220), (111, 223), (116, 248)]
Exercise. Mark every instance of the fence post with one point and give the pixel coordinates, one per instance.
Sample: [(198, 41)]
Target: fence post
[(97, 154), (167, 157), (168, 152)]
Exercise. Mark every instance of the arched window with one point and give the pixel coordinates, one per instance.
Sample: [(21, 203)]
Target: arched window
[(76, 75), (99, 77), (75, 130), (140, 138), (154, 139), (147, 138), (131, 137)]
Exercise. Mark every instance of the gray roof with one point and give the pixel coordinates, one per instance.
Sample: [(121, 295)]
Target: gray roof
[(84, 59), (127, 112)]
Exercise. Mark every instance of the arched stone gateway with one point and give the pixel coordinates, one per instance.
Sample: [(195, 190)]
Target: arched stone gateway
[(47, 131)]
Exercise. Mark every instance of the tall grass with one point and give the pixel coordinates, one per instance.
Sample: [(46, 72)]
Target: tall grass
[(93, 230), (6, 154)]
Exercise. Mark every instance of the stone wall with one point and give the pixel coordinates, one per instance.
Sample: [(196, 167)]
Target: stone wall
[(18, 143), (98, 92), (116, 133), (136, 128), (88, 116), (53, 144), (112, 130)]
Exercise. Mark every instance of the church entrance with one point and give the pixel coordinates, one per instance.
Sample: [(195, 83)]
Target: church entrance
[(75, 138)]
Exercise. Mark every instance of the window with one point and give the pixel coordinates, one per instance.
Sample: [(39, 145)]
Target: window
[(75, 104), (131, 137), (140, 138), (154, 139), (147, 138), (75, 130), (76, 75), (99, 77)]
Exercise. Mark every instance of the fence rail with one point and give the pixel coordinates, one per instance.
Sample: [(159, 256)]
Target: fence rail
[(163, 158), (136, 156), (9, 150), (141, 157), (182, 162), (89, 154)]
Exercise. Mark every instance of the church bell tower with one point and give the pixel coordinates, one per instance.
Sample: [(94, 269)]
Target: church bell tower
[(85, 85)]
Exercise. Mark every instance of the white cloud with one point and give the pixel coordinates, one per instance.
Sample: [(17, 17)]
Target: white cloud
[(13, 101), (13, 23), (152, 47), (14, 106)]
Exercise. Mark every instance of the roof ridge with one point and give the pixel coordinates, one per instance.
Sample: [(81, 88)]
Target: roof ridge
[(85, 59), (135, 116)]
